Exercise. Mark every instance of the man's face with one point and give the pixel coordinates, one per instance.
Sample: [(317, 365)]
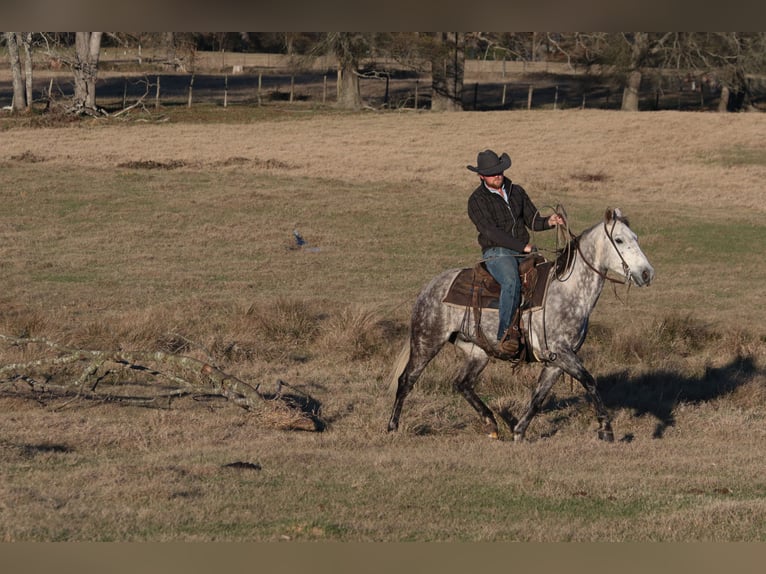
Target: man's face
[(494, 181)]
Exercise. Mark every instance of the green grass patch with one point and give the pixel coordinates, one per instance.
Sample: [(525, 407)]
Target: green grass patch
[(742, 156)]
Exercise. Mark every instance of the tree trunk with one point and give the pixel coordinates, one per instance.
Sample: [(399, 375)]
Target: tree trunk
[(630, 94), (346, 46), (19, 97), (88, 48), (349, 96), (723, 103), (447, 67), (27, 41)]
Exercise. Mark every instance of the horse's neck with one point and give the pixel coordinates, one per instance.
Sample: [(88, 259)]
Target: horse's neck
[(584, 284)]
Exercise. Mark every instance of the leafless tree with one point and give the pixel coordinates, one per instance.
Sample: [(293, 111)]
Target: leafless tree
[(726, 59), (447, 71), (22, 76), (349, 48), (85, 68)]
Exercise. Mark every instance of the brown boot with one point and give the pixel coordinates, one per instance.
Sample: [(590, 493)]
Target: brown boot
[(510, 343)]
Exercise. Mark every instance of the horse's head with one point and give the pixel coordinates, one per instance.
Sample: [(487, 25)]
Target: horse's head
[(622, 254)]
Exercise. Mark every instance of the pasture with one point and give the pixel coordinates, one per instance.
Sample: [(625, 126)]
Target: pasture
[(177, 236)]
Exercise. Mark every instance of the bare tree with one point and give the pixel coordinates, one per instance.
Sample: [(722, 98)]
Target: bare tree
[(440, 53), (447, 69), (26, 40), (638, 45), (627, 54), (85, 68), (21, 99), (349, 48), (727, 60)]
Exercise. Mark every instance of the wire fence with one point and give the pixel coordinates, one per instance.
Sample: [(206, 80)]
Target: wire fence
[(226, 79), (400, 93)]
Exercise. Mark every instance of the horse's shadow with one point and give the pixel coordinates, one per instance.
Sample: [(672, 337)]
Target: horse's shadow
[(660, 392)]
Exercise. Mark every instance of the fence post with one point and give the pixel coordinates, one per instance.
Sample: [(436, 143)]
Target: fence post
[(417, 83), (260, 83), (191, 87), (324, 89), (225, 90), (125, 93), (556, 98), (502, 103), (157, 95), (292, 88), (529, 97)]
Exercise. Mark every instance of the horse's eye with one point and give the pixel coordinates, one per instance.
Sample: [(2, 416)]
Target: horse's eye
[(618, 241)]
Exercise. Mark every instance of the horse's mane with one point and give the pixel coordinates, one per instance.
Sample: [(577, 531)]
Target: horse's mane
[(565, 256)]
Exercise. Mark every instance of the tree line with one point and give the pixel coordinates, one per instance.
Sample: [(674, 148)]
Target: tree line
[(729, 59)]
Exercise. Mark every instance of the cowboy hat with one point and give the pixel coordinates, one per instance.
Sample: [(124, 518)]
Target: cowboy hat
[(488, 163)]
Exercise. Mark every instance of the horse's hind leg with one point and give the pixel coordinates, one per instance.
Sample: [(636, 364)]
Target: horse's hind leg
[(420, 356), (464, 383)]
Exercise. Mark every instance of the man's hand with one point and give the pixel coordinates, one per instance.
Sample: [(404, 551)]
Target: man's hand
[(556, 219)]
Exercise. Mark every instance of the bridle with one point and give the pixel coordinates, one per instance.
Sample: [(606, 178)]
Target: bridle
[(625, 267)]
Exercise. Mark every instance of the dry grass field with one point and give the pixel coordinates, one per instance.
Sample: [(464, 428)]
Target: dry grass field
[(177, 236)]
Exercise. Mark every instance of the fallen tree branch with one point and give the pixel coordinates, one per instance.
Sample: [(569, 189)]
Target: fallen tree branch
[(277, 409), (137, 103)]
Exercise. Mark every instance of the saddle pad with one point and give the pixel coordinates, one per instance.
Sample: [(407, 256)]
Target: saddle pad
[(475, 286), (474, 282), (535, 285)]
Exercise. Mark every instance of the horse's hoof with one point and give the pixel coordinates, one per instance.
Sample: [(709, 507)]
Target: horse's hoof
[(518, 437), (606, 435), (490, 428)]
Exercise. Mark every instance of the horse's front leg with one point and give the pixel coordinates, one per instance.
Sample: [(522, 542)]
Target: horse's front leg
[(548, 377), (572, 365)]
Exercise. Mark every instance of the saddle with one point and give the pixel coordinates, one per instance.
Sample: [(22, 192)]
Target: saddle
[(475, 286), (475, 289)]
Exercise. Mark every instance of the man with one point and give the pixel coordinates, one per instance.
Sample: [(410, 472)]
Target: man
[(502, 211)]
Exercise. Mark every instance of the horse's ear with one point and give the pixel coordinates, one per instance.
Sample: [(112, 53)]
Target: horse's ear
[(613, 214)]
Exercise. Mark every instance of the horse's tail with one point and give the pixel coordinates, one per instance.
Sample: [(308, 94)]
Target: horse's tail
[(399, 365)]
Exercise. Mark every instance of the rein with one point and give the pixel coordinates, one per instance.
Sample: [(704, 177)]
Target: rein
[(625, 267)]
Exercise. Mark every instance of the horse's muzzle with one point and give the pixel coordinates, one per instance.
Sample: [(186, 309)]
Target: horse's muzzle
[(643, 277)]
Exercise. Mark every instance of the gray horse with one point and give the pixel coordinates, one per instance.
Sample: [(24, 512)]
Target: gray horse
[(554, 332)]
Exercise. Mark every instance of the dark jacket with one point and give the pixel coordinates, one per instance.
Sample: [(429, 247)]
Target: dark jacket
[(502, 224)]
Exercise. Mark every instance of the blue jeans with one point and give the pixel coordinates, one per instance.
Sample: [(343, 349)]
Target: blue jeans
[(503, 265)]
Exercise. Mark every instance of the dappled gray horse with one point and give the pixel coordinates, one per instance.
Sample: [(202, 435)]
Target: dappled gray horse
[(554, 332)]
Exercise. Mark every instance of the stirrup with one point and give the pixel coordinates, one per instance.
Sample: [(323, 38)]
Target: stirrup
[(510, 344)]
